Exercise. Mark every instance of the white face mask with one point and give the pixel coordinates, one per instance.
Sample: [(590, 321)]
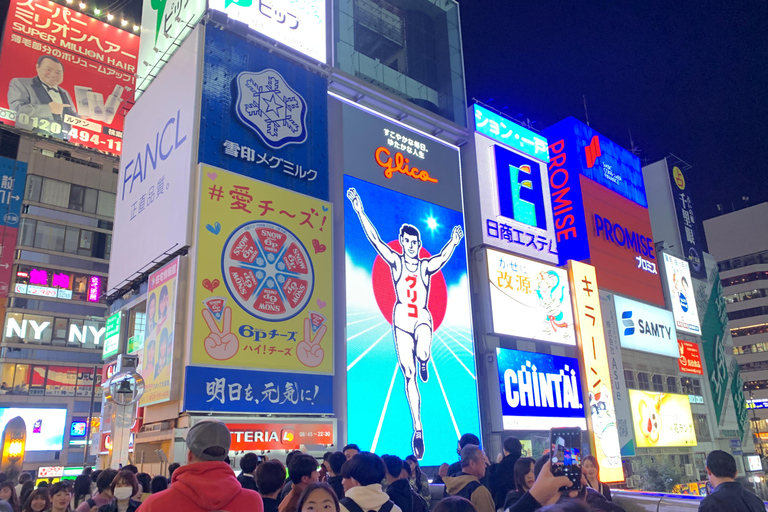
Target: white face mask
[(123, 493)]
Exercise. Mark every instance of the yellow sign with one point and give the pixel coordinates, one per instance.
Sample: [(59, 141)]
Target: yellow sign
[(661, 419), (679, 178), (263, 278), (591, 338)]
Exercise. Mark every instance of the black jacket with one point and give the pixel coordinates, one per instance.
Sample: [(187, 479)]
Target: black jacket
[(247, 481), (399, 492), (112, 507), (270, 504), (335, 483), (513, 497), (501, 478), (731, 497)]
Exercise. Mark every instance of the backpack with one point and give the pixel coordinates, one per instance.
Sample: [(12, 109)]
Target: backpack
[(91, 502), (350, 505), (466, 491)]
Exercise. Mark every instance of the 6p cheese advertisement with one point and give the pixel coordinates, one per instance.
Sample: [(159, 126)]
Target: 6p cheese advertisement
[(263, 279)]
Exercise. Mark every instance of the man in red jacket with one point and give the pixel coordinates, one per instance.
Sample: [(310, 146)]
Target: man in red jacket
[(205, 483)]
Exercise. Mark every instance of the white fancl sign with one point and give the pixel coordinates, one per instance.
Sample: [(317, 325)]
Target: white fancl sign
[(156, 168), (681, 294), (646, 328), (298, 24)]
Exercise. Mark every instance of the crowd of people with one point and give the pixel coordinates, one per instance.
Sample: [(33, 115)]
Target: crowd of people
[(349, 480)]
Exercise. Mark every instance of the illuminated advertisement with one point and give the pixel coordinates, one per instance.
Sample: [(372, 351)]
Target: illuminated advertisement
[(621, 244), (513, 197), (529, 299), (263, 282), (298, 25), (508, 132), (603, 419), (539, 391), (599, 159), (250, 437), (60, 381), (753, 463), (112, 336), (157, 360), (66, 75), (45, 427), (13, 179), (681, 295), (646, 328), (263, 116), (37, 328), (690, 232), (661, 419)]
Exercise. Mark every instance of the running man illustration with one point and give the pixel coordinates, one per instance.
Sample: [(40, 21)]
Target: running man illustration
[(411, 318)]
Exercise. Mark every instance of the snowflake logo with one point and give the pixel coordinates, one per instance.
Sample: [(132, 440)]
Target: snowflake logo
[(270, 107)]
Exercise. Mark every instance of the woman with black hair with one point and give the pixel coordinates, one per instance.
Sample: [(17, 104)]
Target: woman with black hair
[(418, 479)]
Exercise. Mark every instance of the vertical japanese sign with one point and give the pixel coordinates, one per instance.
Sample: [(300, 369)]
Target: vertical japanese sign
[(13, 178), (111, 336), (263, 116), (690, 232), (263, 281), (589, 322), (157, 360), (739, 402), (681, 294), (66, 75)]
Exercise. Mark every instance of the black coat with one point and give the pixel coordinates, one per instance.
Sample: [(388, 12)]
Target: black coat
[(399, 492), (501, 478), (731, 497)]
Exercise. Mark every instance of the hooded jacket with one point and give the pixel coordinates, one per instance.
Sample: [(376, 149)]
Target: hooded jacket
[(368, 497), (399, 492), (481, 497), (204, 487)]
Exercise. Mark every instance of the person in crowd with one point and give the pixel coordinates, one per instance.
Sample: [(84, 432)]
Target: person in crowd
[(61, 496), (591, 470), (157, 484), (398, 489), (205, 483), (145, 480), (248, 464), (419, 480), (322, 476), (454, 504), (728, 495), (467, 482), (23, 478), (419, 503), (171, 468), (27, 488), (455, 468), (8, 494), (43, 484), (524, 478), (501, 476), (103, 494), (124, 487), (82, 489), (334, 463), (133, 469), (38, 501), (94, 477), (362, 490), (288, 484), (270, 476), (318, 497), (350, 450), (302, 471)]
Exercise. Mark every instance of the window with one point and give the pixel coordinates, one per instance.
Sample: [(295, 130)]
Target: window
[(19, 379), (27, 236), (672, 384), (748, 313), (642, 381), (34, 186), (701, 427), (76, 198), (629, 378), (686, 385), (55, 193), (49, 236), (744, 278), (67, 239), (71, 240), (658, 383), (106, 205), (749, 330), (696, 384), (91, 198), (72, 197)]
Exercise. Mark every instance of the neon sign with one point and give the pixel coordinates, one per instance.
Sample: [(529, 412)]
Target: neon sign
[(94, 288), (510, 133), (400, 164)]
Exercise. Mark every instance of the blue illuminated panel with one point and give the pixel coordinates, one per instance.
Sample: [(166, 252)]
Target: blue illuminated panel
[(510, 133)]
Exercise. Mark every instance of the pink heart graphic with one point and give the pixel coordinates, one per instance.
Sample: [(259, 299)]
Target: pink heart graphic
[(212, 175), (211, 285), (321, 303)]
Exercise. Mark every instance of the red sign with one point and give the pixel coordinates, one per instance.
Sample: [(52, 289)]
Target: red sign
[(279, 436), (66, 75), (621, 244), (107, 371), (690, 359)]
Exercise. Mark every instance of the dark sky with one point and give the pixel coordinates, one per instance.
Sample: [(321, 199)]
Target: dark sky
[(689, 78)]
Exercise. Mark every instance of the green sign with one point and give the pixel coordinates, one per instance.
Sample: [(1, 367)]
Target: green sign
[(112, 336), (739, 402), (135, 343), (713, 331)]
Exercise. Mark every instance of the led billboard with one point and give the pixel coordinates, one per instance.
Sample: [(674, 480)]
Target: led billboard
[(280, 436), (508, 132), (529, 299), (646, 328), (539, 391), (112, 336), (66, 75), (45, 427), (661, 419), (681, 295)]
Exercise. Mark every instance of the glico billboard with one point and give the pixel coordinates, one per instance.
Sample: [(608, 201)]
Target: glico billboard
[(66, 75)]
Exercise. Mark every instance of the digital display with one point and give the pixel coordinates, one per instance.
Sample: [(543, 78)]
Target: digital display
[(661, 419), (539, 391), (45, 427), (681, 295), (753, 463), (646, 328), (510, 133), (112, 336), (77, 429), (279, 436), (529, 299)]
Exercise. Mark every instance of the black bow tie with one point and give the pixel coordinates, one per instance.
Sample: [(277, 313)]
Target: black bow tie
[(50, 89)]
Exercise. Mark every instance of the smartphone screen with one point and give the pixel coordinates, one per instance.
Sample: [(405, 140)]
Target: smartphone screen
[(565, 446)]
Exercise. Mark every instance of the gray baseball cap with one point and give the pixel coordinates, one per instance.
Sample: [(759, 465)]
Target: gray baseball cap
[(208, 434)]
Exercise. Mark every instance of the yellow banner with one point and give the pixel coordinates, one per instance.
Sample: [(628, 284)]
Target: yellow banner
[(661, 419), (263, 277), (589, 326)]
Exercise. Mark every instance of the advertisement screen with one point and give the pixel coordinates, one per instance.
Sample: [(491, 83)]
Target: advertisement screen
[(753, 463), (279, 436), (508, 132), (66, 75), (529, 299), (690, 358), (45, 427), (157, 363), (646, 328), (681, 295), (661, 419), (621, 244), (687, 222), (112, 336), (539, 391)]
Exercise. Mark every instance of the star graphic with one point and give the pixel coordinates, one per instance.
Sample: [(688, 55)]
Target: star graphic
[(273, 105)]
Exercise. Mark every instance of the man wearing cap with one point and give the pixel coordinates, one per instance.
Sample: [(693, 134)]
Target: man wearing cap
[(206, 483)]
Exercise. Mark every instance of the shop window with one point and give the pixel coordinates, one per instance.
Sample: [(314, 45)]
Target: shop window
[(642, 381), (658, 383), (55, 193), (34, 185), (21, 380), (6, 378), (629, 378), (672, 384)]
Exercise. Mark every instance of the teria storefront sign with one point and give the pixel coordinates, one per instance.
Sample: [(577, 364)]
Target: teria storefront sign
[(279, 436)]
